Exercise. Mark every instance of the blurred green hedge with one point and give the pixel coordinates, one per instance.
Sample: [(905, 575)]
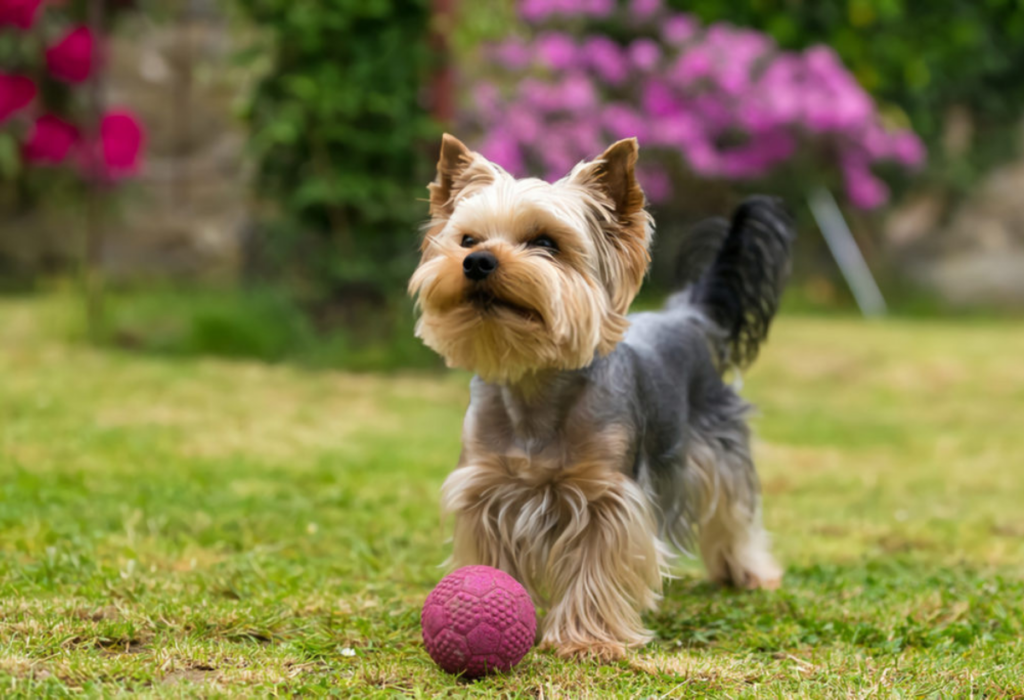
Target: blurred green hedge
[(339, 132), (919, 58)]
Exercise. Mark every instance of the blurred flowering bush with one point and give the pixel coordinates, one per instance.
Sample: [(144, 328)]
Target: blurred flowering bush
[(47, 58), (724, 102)]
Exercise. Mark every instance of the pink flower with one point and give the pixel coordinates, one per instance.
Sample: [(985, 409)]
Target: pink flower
[(16, 92), (577, 93), (19, 13), (73, 57), (487, 99), (741, 164), (676, 131), (644, 9), (121, 141), (587, 138), (598, 8), (702, 157), (678, 28), (555, 151), (644, 54), (523, 125), (605, 57), (864, 189), (501, 148), (556, 50), (511, 54), (908, 149), (713, 110), (535, 10), (537, 95), (658, 99), (50, 141), (655, 183), (622, 122), (691, 66), (875, 142)]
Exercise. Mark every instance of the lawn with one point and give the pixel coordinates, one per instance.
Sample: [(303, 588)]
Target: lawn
[(177, 526)]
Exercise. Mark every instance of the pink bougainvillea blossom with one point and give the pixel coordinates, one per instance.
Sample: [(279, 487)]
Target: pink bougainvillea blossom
[(512, 54), (644, 54), (908, 149), (656, 183), (540, 10), (862, 187), (644, 9), (19, 13), (556, 50), (16, 93), (73, 58), (679, 28), (606, 59), (502, 147), (726, 101), (50, 141)]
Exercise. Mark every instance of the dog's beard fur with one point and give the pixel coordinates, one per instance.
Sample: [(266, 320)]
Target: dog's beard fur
[(539, 310)]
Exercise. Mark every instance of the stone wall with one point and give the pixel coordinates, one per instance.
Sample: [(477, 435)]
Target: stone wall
[(970, 253), (184, 215)]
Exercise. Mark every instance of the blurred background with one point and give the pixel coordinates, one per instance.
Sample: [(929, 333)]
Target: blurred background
[(246, 178)]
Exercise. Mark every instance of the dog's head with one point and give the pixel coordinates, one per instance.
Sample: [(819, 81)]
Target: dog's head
[(519, 276)]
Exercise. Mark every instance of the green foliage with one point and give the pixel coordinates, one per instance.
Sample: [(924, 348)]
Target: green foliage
[(338, 132), (918, 57)]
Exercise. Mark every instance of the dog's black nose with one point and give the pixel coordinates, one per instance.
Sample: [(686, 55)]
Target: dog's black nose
[(479, 265)]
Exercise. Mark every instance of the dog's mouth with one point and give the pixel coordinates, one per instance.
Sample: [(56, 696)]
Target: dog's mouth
[(488, 303)]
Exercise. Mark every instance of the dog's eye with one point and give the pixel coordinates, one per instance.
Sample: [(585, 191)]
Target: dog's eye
[(545, 242), (468, 241)]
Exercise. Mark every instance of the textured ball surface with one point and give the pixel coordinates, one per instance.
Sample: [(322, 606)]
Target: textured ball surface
[(478, 620)]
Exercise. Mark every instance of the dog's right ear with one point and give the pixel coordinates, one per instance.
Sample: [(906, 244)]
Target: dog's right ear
[(458, 170)]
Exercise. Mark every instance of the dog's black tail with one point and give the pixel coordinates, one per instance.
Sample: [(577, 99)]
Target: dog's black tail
[(736, 273)]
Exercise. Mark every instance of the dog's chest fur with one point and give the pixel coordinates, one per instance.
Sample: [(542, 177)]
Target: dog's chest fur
[(547, 433)]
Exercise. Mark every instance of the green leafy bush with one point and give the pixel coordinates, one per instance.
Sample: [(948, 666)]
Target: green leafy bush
[(339, 132), (262, 323)]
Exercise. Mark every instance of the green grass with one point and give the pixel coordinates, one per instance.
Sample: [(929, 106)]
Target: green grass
[(178, 526), (265, 324)]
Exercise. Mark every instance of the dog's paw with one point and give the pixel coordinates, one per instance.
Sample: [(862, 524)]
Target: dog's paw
[(603, 651), (769, 580), (762, 574)]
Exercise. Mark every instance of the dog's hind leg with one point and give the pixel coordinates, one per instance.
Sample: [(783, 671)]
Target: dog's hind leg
[(733, 542)]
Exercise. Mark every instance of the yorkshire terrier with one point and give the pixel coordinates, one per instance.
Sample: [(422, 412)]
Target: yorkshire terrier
[(594, 440)]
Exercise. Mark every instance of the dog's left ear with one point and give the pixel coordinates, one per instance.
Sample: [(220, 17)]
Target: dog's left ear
[(613, 175)]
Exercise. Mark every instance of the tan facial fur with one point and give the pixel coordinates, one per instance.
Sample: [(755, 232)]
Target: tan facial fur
[(539, 310)]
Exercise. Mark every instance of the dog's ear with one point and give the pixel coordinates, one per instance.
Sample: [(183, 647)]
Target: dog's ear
[(612, 175), (457, 170)]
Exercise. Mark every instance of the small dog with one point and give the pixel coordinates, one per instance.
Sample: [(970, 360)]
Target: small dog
[(593, 440)]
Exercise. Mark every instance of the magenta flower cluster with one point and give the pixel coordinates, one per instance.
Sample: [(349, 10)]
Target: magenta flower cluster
[(113, 149), (726, 100)]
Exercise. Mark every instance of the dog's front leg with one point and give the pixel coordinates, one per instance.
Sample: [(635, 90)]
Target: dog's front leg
[(604, 569), (584, 544)]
